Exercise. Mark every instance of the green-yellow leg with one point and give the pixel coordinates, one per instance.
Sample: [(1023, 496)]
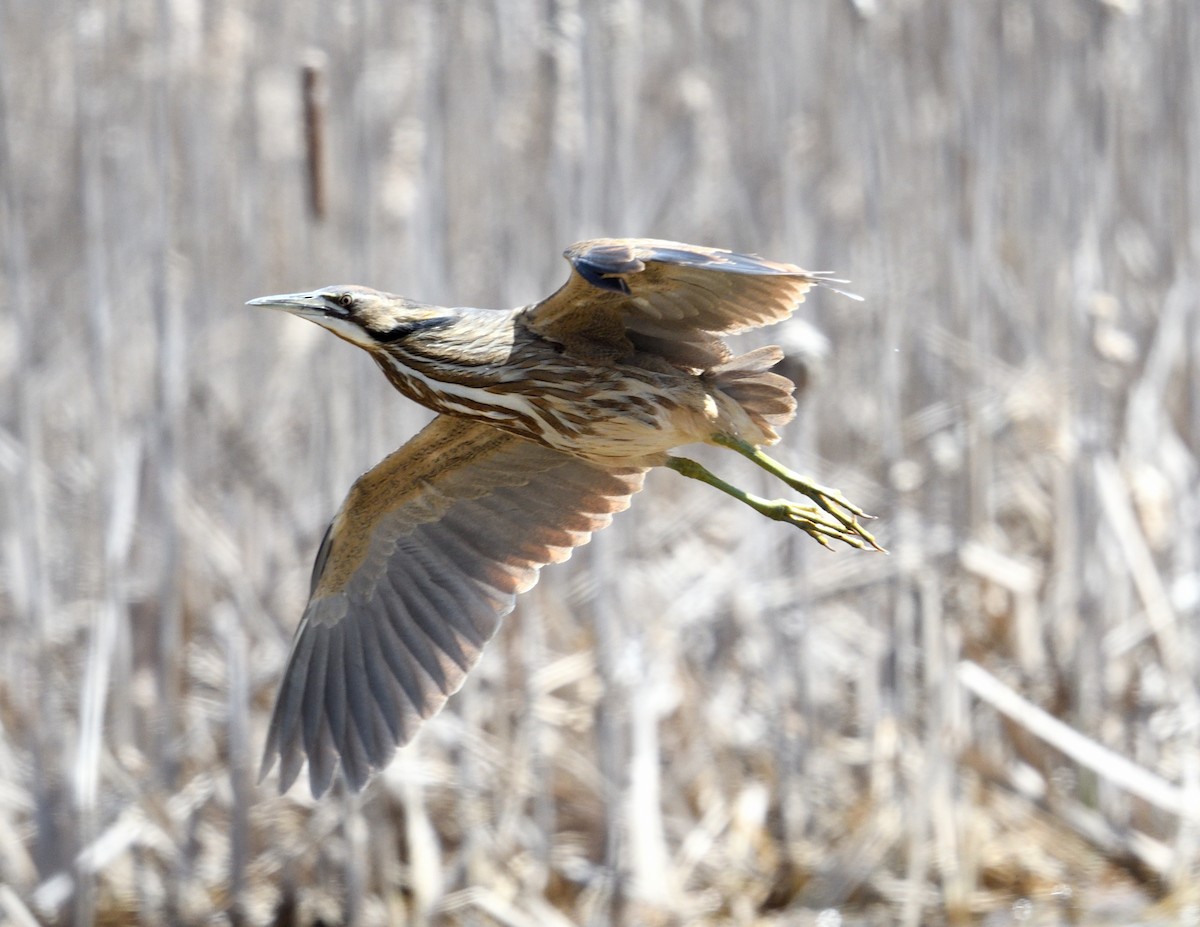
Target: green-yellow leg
[(830, 500), (822, 523)]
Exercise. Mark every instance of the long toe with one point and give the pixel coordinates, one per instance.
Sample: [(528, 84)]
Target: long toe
[(821, 527)]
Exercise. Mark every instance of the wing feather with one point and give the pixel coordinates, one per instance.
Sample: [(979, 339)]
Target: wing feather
[(335, 702), (426, 555), (412, 610), (383, 684), (359, 699), (290, 710), (314, 717), (405, 691), (354, 668), (456, 603), (399, 611), (628, 294)]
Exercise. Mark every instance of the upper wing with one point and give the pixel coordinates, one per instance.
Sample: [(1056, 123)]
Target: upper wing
[(427, 554), (666, 297)]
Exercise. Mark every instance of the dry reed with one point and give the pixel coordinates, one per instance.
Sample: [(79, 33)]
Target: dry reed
[(701, 719)]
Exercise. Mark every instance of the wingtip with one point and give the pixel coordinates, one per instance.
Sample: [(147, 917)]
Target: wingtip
[(821, 279), (267, 762), (289, 767), (322, 767)]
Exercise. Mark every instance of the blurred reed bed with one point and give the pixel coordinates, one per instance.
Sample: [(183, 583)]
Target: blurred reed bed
[(702, 718)]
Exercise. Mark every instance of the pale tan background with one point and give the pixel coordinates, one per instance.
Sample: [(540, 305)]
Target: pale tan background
[(702, 718)]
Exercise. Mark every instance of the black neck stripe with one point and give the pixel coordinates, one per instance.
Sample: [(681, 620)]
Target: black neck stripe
[(404, 329)]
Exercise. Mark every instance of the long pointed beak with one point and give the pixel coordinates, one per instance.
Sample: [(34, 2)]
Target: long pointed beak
[(309, 305), (317, 306)]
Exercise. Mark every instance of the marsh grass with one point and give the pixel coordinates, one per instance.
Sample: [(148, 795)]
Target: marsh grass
[(702, 718)]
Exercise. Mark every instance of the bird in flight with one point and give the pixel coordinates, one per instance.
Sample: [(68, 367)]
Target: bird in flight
[(548, 418)]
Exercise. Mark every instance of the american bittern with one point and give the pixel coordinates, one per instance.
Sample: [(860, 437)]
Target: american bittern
[(549, 417)]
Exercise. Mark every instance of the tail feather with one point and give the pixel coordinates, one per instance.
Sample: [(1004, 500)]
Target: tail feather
[(764, 396)]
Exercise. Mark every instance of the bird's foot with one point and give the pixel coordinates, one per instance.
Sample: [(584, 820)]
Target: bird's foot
[(833, 518), (830, 501), (818, 523)]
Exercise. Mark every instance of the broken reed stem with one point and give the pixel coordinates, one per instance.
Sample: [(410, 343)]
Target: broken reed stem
[(1105, 763), (312, 84)]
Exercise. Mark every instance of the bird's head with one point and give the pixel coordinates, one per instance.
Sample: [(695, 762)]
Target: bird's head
[(360, 315)]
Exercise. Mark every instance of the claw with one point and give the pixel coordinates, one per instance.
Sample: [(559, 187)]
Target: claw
[(823, 522), (847, 529), (810, 520)]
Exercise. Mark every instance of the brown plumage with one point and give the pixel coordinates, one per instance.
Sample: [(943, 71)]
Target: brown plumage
[(550, 416)]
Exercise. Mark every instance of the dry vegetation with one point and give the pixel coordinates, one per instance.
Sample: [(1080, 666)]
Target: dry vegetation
[(702, 718)]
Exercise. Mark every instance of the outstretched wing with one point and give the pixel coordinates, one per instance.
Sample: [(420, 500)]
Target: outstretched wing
[(667, 298), (428, 553)]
